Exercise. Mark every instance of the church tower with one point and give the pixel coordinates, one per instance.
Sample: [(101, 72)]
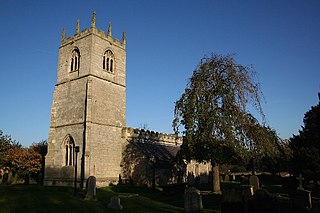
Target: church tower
[(88, 109)]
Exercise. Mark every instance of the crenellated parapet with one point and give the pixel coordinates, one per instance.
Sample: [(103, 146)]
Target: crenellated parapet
[(147, 136), (93, 30)]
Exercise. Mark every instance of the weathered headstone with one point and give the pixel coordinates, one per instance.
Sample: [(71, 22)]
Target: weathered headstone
[(226, 178), (192, 200), (231, 201), (190, 179), (91, 188), (115, 203), (300, 179), (247, 192), (5, 178), (263, 202), (254, 181), (204, 179), (231, 196), (318, 183), (243, 180), (301, 199)]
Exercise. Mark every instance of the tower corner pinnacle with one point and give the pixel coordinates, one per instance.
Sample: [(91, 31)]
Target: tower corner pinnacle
[(78, 27), (93, 20), (124, 39), (63, 34), (110, 30)]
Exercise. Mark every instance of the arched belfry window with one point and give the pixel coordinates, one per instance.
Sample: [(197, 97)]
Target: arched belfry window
[(69, 151), (108, 61), (75, 60)]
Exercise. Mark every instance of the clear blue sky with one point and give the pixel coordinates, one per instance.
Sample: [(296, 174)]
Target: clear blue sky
[(165, 41)]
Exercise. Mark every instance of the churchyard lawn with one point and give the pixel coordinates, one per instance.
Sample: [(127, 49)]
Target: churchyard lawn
[(34, 198)]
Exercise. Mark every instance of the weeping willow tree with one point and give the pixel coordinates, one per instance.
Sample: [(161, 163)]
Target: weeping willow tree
[(213, 117)]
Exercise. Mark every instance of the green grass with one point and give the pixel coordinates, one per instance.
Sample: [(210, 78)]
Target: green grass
[(34, 198)]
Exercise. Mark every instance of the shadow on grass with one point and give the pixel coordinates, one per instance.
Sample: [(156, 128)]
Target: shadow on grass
[(33, 198)]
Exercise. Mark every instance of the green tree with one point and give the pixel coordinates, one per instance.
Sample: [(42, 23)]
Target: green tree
[(41, 148), (306, 146), (6, 142), (214, 117), (22, 162), (280, 162)]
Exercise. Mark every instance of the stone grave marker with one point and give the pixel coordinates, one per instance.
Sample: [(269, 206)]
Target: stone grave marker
[(243, 180), (300, 179), (263, 202), (254, 181), (301, 199), (231, 201), (91, 189), (5, 178), (247, 192), (204, 178), (226, 178), (190, 179), (115, 203), (192, 200)]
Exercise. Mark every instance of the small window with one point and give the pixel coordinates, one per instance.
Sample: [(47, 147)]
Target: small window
[(69, 147), (75, 60), (108, 61)]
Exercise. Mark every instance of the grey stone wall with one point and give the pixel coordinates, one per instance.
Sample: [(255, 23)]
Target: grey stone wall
[(89, 105)]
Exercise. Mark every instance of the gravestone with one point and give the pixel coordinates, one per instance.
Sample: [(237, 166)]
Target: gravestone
[(263, 202), (204, 178), (254, 181), (243, 180), (115, 203), (247, 192), (5, 178), (300, 179), (301, 199), (190, 179), (231, 201), (91, 189), (192, 200), (226, 178)]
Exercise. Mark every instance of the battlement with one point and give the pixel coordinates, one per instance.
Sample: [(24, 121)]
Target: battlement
[(142, 135), (93, 30)]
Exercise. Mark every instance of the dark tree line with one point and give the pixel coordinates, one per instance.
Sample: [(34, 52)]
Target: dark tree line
[(306, 146)]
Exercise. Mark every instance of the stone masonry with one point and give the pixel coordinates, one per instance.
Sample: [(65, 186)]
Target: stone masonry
[(89, 111), (88, 108)]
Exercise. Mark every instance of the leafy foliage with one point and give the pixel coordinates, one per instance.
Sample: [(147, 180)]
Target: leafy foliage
[(41, 148), (18, 160), (21, 160), (213, 111), (6, 143), (306, 146)]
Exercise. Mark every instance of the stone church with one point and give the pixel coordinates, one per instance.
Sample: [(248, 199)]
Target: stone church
[(88, 133)]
